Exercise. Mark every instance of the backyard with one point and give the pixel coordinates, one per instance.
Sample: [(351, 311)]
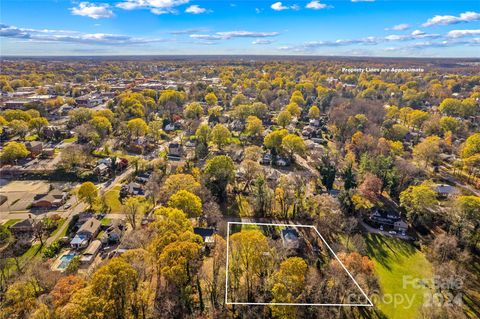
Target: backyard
[(395, 260)]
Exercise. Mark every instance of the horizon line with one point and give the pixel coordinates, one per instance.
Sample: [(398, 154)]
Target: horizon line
[(236, 55)]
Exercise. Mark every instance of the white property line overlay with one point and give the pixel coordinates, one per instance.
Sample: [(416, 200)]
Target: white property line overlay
[(370, 304)]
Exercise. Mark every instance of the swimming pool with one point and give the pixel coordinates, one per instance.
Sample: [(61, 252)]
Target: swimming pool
[(65, 260)]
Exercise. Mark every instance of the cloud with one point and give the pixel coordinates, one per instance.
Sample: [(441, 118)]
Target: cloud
[(262, 41), (195, 9), (414, 35), (92, 10), (436, 44), (448, 19), (315, 5), (206, 37), (155, 6), (233, 34), (247, 34), (312, 45), (189, 31), (278, 6), (70, 36), (399, 27), (463, 33)]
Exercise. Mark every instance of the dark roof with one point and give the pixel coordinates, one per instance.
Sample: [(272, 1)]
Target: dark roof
[(24, 223), (52, 195), (445, 189), (385, 217), (290, 232), (91, 226), (204, 232)]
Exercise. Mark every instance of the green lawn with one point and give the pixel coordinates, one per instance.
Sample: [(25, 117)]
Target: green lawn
[(112, 198), (59, 225), (11, 222), (395, 260), (100, 234), (31, 138), (34, 250), (235, 140), (71, 139), (64, 233), (105, 221)]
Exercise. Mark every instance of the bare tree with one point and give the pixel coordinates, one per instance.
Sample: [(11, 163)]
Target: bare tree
[(132, 209)]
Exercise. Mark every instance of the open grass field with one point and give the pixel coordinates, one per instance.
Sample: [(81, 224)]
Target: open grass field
[(471, 297), (395, 260), (59, 226), (24, 259), (11, 222), (112, 198)]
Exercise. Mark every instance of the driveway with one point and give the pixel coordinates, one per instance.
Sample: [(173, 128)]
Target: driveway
[(373, 230)]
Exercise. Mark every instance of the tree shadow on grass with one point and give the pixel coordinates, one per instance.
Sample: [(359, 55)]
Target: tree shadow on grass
[(369, 313), (472, 304), (386, 250)]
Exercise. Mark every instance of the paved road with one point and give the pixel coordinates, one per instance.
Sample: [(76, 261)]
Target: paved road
[(80, 207), (450, 178)]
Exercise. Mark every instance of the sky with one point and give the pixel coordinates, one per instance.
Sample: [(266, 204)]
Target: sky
[(390, 28)]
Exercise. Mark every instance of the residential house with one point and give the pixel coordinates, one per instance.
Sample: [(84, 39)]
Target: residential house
[(175, 151), (191, 143), (89, 100), (55, 133), (445, 191), (114, 232), (206, 234), (169, 127), (131, 189), (86, 233), (282, 161), (53, 199), (236, 125), (388, 220), (101, 169), (266, 159), (23, 230), (290, 238), (143, 178), (16, 104), (65, 108), (34, 147), (83, 217), (48, 152), (91, 252)]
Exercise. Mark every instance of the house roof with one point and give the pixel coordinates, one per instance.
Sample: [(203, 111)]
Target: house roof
[(54, 195), (33, 144), (204, 232), (132, 187), (445, 189), (93, 248), (90, 226), (29, 222), (289, 234), (78, 239)]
